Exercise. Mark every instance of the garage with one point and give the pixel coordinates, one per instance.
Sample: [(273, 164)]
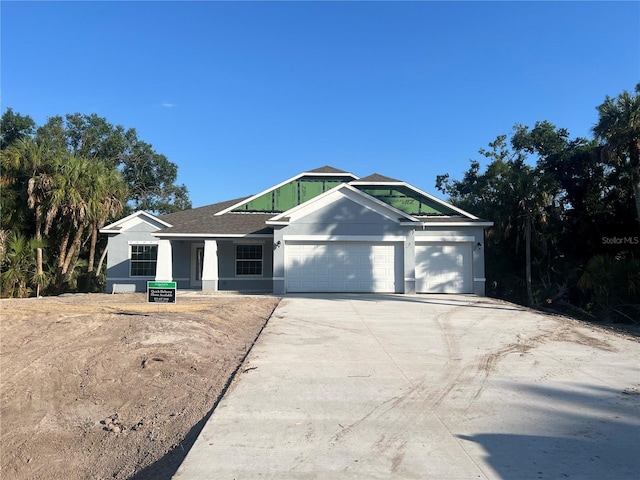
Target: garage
[(444, 267), (343, 267)]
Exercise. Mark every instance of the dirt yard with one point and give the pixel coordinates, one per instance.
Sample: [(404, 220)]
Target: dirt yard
[(109, 386)]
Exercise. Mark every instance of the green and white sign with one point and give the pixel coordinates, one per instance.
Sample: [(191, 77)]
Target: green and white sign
[(161, 292)]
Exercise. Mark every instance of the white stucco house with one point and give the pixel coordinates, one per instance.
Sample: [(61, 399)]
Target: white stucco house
[(325, 230)]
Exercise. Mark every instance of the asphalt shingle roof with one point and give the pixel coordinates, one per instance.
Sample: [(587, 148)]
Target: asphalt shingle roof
[(328, 169), (376, 177), (204, 220)]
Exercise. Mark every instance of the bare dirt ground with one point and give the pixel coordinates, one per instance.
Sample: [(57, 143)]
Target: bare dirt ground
[(109, 386)]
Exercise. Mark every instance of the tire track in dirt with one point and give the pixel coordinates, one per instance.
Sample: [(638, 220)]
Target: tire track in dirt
[(453, 370), (470, 377), (561, 333), (487, 363), (391, 443)]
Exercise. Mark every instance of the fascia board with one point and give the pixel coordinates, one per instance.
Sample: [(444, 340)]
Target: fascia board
[(211, 235), (358, 182), (353, 194), (450, 224), (442, 202), (139, 213), (421, 192), (344, 238), (271, 189)]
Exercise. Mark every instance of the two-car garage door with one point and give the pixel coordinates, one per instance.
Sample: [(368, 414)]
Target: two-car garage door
[(343, 267)]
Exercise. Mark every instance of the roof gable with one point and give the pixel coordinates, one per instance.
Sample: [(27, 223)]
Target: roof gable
[(293, 192), (134, 219), (407, 198), (336, 194)]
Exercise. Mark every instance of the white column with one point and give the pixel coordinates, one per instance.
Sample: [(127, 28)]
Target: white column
[(410, 263), (164, 267), (210, 266)]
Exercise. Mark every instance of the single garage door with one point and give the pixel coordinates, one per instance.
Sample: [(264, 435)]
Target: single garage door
[(341, 267), (444, 268)]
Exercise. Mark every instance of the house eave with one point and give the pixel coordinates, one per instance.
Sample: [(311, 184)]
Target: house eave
[(139, 213), (279, 223), (211, 235), (358, 182), (449, 224)]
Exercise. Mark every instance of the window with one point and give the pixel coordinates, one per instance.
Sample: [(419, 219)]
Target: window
[(143, 260), (248, 259)]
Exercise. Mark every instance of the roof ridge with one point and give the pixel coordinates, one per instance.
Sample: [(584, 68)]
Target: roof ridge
[(376, 177), (327, 169)]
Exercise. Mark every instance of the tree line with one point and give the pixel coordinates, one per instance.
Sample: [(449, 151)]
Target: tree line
[(566, 214), (566, 211), (63, 181)]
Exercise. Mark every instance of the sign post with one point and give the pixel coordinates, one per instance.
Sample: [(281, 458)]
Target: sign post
[(161, 292)]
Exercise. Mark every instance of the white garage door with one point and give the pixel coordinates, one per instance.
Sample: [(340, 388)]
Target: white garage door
[(340, 267), (444, 268)]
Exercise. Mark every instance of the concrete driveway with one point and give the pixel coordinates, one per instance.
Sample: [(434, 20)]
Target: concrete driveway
[(425, 387)]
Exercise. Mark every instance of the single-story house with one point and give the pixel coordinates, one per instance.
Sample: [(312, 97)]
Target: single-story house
[(325, 230)]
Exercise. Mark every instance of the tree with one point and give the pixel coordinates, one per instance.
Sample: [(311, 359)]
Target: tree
[(33, 161), (618, 127), (614, 285), (106, 200), (92, 137), (66, 179), (588, 201), (14, 126), (18, 266), (515, 196), (69, 204), (151, 178)]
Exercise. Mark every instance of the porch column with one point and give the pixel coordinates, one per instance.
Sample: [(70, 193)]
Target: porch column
[(210, 266), (164, 266)]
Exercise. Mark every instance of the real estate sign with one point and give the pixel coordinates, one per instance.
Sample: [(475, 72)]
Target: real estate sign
[(161, 292)]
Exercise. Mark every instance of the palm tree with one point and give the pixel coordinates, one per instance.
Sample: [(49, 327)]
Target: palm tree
[(527, 186), (18, 266), (33, 160), (106, 200), (619, 127), (69, 202)]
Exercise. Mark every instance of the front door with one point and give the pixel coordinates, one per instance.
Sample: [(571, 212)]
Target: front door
[(197, 257)]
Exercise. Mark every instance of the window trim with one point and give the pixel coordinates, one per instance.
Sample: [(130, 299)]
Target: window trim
[(132, 261), (237, 260)]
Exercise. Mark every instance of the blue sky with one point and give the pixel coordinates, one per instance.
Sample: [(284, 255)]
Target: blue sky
[(243, 95)]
